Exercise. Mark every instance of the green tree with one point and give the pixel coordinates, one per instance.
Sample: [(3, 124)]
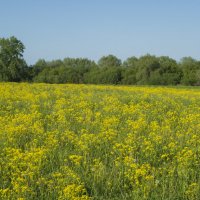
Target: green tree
[(169, 71), (109, 61), (190, 68), (80, 66), (38, 67), (129, 71), (12, 65), (146, 66)]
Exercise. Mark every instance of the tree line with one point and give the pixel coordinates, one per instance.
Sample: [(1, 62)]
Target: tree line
[(145, 70)]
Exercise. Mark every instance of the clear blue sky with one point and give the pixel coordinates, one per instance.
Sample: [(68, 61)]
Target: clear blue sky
[(53, 29)]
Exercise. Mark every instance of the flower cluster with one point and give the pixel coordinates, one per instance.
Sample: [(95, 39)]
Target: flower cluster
[(87, 142)]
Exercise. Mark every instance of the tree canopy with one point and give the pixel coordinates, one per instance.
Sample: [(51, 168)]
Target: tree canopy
[(12, 65), (145, 70)]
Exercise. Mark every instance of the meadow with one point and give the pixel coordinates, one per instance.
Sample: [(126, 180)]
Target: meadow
[(86, 142)]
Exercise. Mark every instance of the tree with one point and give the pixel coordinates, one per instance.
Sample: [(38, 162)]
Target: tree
[(109, 61), (146, 66), (190, 68), (79, 65), (129, 71), (170, 73), (37, 68), (12, 65)]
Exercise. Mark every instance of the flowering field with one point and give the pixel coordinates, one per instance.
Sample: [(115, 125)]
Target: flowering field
[(83, 142)]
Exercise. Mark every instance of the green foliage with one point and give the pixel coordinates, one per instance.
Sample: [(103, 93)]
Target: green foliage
[(151, 70), (129, 71), (110, 75), (167, 74), (145, 70), (191, 71), (146, 66), (109, 61), (12, 65), (67, 71)]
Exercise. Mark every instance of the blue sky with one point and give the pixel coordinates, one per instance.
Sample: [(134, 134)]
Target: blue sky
[(55, 29)]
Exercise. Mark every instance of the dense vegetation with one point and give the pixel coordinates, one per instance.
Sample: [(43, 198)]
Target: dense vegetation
[(145, 70), (91, 142)]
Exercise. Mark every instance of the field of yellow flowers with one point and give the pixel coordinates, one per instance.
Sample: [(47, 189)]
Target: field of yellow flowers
[(85, 142)]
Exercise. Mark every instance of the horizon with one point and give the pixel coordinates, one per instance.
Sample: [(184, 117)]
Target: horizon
[(55, 30)]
